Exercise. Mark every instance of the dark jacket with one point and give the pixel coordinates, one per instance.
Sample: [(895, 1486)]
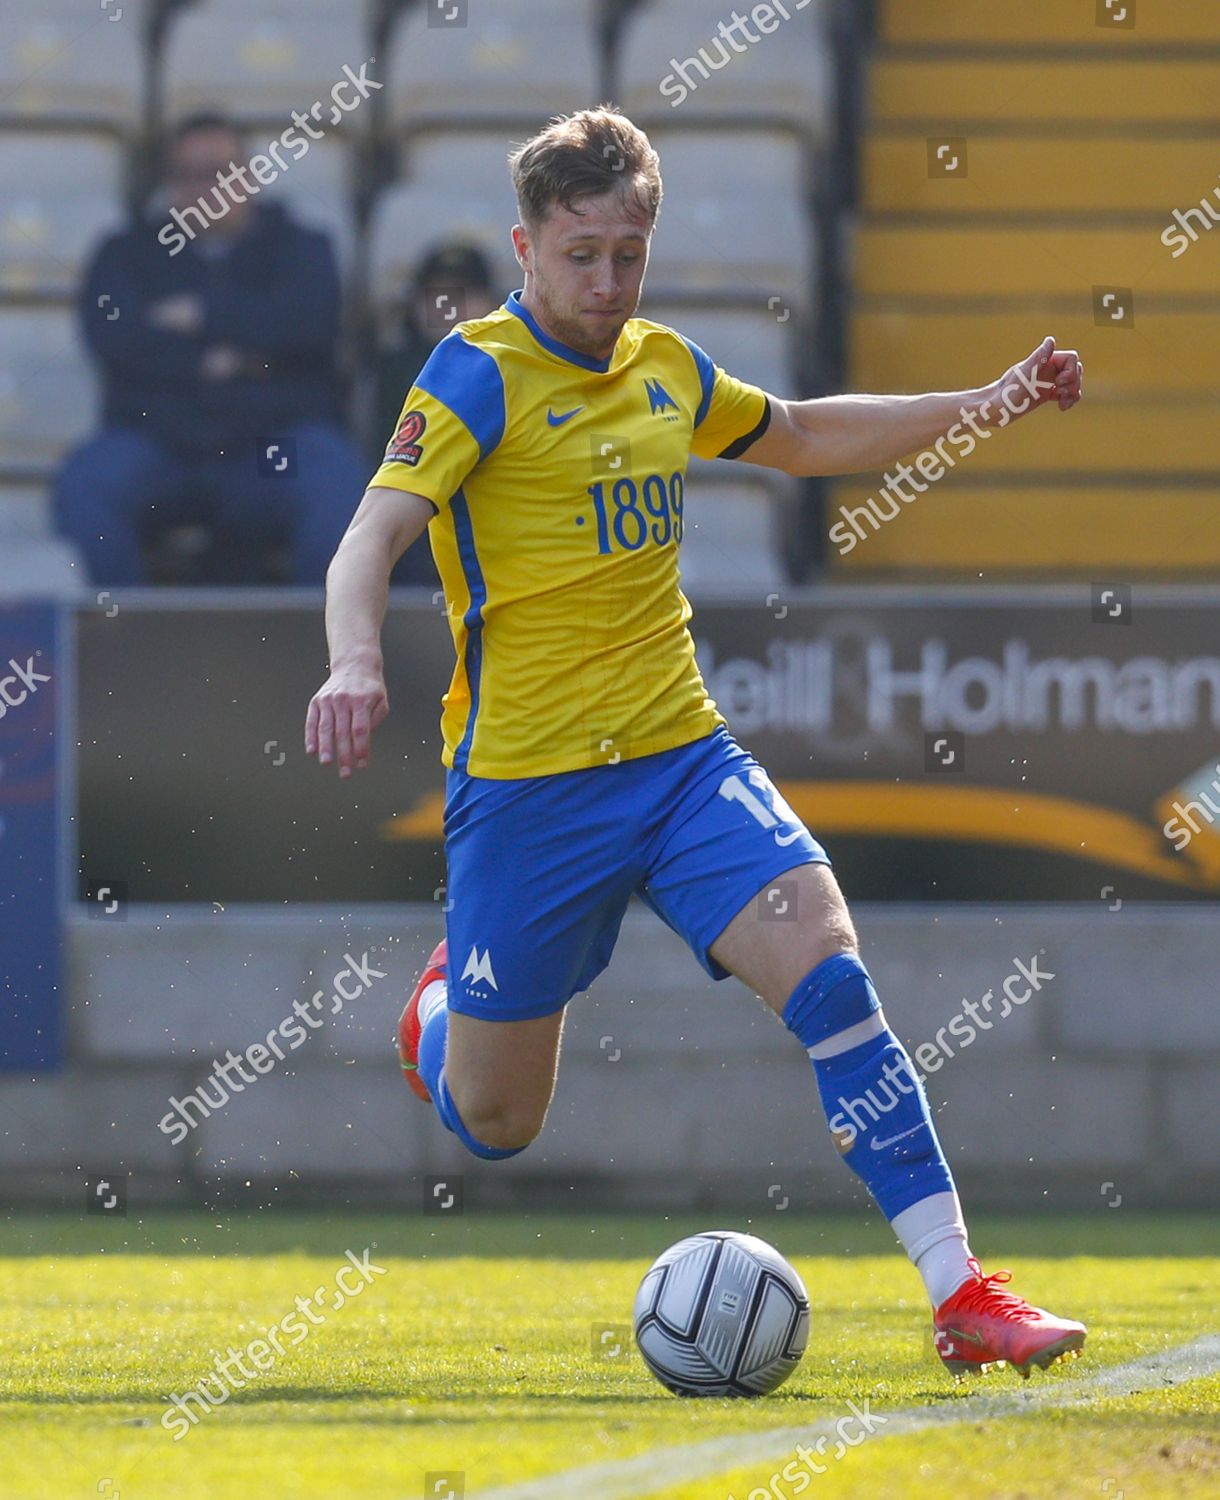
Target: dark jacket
[(274, 296)]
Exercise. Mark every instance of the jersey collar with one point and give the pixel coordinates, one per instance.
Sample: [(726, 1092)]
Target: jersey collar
[(553, 346)]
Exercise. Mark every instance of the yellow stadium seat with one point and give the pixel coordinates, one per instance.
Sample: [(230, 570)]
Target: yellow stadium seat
[(950, 349), (1036, 174), (971, 260), (1046, 22), (1059, 89), (961, 526)]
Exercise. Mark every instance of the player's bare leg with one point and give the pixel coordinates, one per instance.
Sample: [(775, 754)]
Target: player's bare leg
[(491, 1081), (501, 1075), (772, 958), (808, 971)]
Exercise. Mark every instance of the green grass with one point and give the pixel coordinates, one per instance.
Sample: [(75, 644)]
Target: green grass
[(473, 1353)]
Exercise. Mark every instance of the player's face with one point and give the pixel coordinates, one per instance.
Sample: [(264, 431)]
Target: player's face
[(584, 267)]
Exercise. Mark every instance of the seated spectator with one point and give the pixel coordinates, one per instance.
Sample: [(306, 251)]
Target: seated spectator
[(452, 283), (214, 320)]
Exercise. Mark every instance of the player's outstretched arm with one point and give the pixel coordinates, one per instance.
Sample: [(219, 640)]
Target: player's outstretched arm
[(851, 434), (352, 702)]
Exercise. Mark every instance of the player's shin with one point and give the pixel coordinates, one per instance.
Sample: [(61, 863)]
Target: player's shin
[(879, 1118), (434, 1023)]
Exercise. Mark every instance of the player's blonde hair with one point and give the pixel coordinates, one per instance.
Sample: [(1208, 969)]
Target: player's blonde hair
[(586, 155)]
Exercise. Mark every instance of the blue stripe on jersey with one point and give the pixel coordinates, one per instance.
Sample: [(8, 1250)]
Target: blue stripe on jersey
[(707, 378), (468, 381), (473, 618), (553, 346)]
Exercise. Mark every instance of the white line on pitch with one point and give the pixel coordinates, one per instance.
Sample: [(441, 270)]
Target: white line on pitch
[(645, 1473)]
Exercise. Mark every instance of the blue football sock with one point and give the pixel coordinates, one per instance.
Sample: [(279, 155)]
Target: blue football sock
[(432, 1038), (875, 1105)]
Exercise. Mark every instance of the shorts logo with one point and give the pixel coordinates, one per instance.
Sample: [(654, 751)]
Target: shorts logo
[(405, 447), (479, 968)]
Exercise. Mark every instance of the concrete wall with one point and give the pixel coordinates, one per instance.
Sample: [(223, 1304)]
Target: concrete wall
[(672, 1090)]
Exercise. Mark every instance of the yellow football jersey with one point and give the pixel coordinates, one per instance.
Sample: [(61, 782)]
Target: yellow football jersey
[(558, 481)]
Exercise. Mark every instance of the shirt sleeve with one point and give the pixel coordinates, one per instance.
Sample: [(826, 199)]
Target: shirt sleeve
[(732, 414), (451, 420)]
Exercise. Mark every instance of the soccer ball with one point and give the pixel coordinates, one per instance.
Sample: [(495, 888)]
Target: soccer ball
[(721, 1314)]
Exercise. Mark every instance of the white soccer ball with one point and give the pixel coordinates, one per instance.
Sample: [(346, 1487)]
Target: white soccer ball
[(721, 1314)]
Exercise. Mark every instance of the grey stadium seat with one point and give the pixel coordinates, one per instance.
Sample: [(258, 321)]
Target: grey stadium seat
[(728, 542), (785, 76), (48, 396), (525, 59), (318, 191), (34, 563), (735, 217), (262, 61), (457, 187), (61, 60), (41, 567), (59, 193), (753, 346), (410, 219), (24, 512)]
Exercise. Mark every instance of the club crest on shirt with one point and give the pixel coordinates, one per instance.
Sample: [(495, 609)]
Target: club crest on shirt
[(659, 399), (405, 446)]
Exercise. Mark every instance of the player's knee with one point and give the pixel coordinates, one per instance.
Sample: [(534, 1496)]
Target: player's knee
[(504, 1126), (833, 936)]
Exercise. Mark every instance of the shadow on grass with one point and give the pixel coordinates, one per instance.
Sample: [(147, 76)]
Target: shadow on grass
[(996, 1238)]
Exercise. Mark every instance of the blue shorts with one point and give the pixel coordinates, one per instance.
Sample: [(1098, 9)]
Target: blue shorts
[(541, 868)]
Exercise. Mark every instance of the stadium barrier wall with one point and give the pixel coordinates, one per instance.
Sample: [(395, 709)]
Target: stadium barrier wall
[(1093, 1092)]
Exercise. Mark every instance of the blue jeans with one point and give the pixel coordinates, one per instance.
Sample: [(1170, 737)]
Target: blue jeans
[(123, 483)]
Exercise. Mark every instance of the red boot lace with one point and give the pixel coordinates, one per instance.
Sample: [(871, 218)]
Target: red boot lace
[(985, 1296)]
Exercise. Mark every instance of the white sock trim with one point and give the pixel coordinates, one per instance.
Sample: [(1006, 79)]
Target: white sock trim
[(853, 1036), (933, 1233), (433, 997)]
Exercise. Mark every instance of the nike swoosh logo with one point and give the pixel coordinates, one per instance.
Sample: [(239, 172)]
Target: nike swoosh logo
[(784, 839), (968, 1338), (558, 421), (881, 1145)]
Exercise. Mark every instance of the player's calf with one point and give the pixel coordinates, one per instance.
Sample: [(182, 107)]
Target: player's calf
[(502, 1072)]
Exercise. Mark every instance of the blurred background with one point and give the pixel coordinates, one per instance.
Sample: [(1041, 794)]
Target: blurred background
[(996, 698)]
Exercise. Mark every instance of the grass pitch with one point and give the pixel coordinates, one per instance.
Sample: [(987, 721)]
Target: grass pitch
[(477, 1354)]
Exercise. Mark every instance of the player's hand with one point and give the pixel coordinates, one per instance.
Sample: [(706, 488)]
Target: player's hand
[(1048, 374), (342, 716)]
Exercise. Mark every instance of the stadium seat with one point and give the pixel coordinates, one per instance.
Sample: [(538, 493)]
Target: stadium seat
[(728, 542), (34, 563), (261, 62), (907, 89), (318, 191), (466, 163), (784, 77), (457, 187), (963, 526), (528, 62), (1014, 173), (409, 220), (48, 396), (41, 567), (753, 346), (902, 260), (24, 513), (735, 219), (62, 61), (1169, 351), (59, 192), (996, 22)]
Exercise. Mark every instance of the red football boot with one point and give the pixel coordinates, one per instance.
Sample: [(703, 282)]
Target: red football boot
[(408, 1023), (980, 1326)]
